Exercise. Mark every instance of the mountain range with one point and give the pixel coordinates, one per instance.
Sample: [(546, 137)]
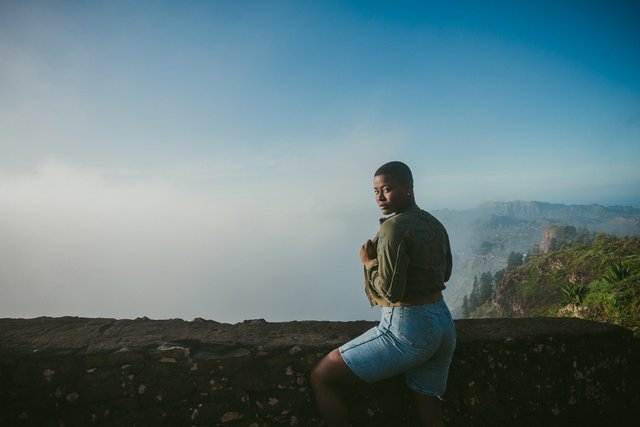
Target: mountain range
[(483, 238)]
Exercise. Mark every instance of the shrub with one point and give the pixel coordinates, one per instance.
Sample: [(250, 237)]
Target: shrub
[(617, 272), (574, 293)]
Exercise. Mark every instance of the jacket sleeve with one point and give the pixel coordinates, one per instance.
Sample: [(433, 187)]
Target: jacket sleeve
[(387, 276)]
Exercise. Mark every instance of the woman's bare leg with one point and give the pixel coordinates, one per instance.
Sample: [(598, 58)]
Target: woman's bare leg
[(328, 378), (428, 409)]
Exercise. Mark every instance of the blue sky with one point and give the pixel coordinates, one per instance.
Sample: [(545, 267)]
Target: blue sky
[(195, 118)]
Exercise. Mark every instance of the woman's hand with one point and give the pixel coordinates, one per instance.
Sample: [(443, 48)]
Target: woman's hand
[(368, 252)]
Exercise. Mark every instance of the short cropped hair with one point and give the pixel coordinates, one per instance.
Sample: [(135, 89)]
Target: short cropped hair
[(397, 169)]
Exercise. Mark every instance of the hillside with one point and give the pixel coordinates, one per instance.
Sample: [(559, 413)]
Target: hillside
[(483, 238), (598, 281)]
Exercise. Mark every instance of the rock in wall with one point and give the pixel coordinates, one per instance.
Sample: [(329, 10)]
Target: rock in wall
[(82, 372)]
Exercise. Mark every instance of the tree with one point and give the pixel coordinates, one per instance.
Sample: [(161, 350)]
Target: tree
[(474, 300), (497, 278), (534, 252), (465, 308), (485, 288), (514, 260)]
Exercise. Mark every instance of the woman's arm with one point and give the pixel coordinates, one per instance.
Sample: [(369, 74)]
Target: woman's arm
[(387, 264)]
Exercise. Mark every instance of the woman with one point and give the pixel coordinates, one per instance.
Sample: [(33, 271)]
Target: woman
[(405, 268)]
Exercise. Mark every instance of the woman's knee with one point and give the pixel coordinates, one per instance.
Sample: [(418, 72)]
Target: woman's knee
[(328, 370), (316, 376), (319, 373)]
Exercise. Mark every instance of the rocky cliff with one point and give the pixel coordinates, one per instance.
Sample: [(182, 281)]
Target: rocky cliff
[(526, 372), (553, 237)]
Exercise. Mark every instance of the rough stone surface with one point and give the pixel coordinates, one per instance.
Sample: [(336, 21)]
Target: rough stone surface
[(79, 371), (554, 236)]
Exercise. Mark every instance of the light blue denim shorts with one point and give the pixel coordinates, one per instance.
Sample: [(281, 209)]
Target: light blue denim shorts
[(416, 340)]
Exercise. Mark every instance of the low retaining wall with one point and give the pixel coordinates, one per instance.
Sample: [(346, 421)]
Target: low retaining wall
[(79, 371)]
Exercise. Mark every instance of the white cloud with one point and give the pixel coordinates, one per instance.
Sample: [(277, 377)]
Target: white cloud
[(79, 242)]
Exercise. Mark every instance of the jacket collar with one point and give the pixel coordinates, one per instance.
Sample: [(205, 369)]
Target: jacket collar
[(412, 208)]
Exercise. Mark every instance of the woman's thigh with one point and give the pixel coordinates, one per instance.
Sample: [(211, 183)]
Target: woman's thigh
[(405, 338)]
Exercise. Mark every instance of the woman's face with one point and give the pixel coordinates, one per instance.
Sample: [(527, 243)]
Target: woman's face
[(391, 195)]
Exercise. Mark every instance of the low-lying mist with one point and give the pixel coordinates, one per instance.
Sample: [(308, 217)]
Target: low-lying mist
[(75, 242)]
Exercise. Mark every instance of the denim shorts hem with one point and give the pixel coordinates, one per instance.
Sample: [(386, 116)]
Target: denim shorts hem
[(351, 366), (357, 342), (422, 391)]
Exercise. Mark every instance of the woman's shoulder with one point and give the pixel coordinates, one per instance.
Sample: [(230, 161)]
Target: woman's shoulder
[(394, 225), (410, 216), (400, 223), (414, 219)]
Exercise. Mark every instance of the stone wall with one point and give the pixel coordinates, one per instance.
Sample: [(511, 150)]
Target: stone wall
[(506, 372)]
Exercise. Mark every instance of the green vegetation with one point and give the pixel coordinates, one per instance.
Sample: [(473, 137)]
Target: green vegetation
[(597, 280), (575, 293), (482, 289), (618, 271)]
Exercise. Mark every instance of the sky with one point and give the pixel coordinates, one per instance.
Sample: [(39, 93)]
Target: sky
[(214, 159)]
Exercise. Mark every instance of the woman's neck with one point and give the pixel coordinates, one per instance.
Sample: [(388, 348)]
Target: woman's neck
[(409, 205)]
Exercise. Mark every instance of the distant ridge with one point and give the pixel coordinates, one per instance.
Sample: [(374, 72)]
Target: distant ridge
[(536, 209), (618, 220)]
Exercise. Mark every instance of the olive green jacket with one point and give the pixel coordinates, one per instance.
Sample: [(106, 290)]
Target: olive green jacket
[(413, 259)]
